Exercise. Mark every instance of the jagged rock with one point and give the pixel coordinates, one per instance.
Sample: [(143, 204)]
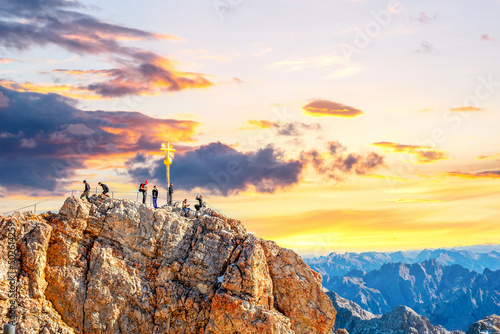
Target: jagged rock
[(34, 257), (291, 280), (400, 320), (451, 296), (348, 312), (118, 266), (490, 325), (341, 331)]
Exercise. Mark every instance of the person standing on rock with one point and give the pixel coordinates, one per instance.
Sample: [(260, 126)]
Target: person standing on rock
[(143, 188), (105, 190), (154, 193), (198, 206), (170, 193), (86, 192)]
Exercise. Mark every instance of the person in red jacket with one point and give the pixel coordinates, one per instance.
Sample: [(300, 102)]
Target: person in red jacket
[(143, 188)]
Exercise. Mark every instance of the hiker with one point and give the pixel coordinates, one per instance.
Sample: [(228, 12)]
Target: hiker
[(170, 193), (105, 190), (154, 193), (86, 192), (185, 207), (143, 188), (199, 198)]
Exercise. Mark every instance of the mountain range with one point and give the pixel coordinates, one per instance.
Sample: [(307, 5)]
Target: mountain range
[(475, 258), (402, 319), (451, 296)]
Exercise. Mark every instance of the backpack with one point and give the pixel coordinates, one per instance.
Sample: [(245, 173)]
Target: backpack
[(140, 187)]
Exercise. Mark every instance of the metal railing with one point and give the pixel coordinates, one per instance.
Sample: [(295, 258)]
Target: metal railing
[(131, 195)]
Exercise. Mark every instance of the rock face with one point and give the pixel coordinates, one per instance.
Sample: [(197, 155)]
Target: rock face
[(120, 267), (451, 296), (490, 325), (402, 319)]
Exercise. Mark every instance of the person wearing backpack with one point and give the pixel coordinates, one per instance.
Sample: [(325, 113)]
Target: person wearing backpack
[(154, 193), (86, 192), (143, 188)]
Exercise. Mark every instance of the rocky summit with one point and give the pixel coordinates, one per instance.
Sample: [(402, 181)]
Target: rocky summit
[(119, 266), (488, 325)]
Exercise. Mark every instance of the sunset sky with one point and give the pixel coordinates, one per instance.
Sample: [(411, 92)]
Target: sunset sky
[(348, 125)]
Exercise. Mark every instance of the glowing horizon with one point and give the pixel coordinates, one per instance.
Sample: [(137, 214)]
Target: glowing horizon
[(349, 126)]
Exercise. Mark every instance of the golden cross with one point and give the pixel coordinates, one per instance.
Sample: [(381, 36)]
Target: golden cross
[(169, 151)]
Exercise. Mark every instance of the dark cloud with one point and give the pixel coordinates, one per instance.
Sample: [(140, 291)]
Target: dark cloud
[(4, 101), (219, 168), (337, 165), (26, 24), (330, 108), (44, 138)]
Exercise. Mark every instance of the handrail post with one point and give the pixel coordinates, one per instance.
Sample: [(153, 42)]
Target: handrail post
[(35, 209), (9, 329)]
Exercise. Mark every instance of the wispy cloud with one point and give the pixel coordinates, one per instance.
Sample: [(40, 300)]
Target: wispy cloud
[(284, 129), (427, 48), (489, 157), (413, 200), (425, 18), (335, 163), (465, 109), (487, 38), (424, 154), (7, 60), (36, 23), (495, 174), (323, 108)]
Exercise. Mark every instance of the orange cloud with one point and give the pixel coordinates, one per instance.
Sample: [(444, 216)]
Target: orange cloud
[(150, 78), (424, 154), (7, 60), (465, 108), (256, 124), (321, 108), (70, 91), (425, 110), (489, 157), (414, 200), (43, 88), (138, 71), (488, 174)]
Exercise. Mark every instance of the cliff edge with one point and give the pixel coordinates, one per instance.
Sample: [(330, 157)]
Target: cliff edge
[(121, 267)]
